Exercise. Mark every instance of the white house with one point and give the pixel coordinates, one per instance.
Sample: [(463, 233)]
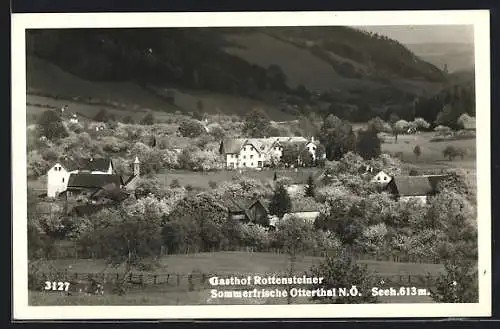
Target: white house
[(381, 178), (74, 118), (58, 175), (57, 180), (256, 152)]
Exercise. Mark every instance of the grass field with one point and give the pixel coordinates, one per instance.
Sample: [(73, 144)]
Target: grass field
[(220, 263), (202, 180), (431, 152)]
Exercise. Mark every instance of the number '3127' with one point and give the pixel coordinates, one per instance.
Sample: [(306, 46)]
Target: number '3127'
[(56, 286)]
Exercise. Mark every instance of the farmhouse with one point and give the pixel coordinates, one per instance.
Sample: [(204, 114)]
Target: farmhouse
[(237, 208), (58, 176), (406, 188), (257, 152), (83, 185), (381, 178)]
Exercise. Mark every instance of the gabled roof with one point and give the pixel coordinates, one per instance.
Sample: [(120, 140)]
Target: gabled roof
[(96, 164), (110, 191), (91, 164), (415, 185), (232, 145), (87, 180), (262, 202)]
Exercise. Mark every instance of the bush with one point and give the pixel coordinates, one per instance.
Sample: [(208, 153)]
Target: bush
[(191, 128), (343, 272)]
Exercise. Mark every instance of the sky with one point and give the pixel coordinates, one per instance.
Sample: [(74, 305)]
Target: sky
[(410, 34)]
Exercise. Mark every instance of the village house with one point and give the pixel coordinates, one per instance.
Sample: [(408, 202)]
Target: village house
[(405, 188), (381, 178), (82, 185), (257, 152), (58, 175)]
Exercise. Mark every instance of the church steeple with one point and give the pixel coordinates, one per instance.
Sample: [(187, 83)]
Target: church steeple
[(137, 167)]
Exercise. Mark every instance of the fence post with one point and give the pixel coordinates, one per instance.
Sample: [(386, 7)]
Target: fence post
[(178, 280), (117, 277), (409, 278), (168, 277), (142, 281), (130, 277), (154, 279)]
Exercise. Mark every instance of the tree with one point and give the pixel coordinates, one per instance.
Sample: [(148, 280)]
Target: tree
[(310, 190), (451, 152), (337, 136), (217, 132), (459, 284), (377, 124), (320, 154), (417, 151), (191, 128), (306, 158), (290, 155), (280, 202), (368, 144), (343, 273), (256, 124), (127, 239), (199, 105), (51, 126), (276, 77), (148, 119)]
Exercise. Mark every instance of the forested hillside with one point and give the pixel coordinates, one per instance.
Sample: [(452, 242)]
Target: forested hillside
[(291, 70)]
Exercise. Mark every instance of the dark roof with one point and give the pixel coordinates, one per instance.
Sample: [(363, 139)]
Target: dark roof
[(299, 145), (415, 185), (92, 164), (236, 205), (110, 191), (232, 145), (87, 180), (129, 179), (262, 202), (98, 164)]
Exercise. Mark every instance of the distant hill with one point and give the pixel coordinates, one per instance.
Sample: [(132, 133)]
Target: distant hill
[(456, 56), (287, 71)]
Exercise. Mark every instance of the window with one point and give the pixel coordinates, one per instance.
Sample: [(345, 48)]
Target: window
[(244, 164), (251, 157), (385, 178), (244, 157), (251, 164), (259, 164), (378, 178), (63, 180)]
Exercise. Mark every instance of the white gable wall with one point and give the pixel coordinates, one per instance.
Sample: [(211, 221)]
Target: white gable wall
[(249, 157), (381, 178), (57, 180)]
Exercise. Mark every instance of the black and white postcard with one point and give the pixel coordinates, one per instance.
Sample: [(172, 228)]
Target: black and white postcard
[(251, 165)]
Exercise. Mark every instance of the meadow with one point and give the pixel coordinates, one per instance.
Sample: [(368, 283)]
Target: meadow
[(431, 152), (203, 180)]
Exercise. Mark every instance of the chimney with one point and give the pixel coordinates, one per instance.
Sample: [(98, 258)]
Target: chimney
[(137, 169)]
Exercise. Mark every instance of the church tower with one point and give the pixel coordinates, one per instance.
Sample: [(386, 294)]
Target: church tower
[(137, 167)]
